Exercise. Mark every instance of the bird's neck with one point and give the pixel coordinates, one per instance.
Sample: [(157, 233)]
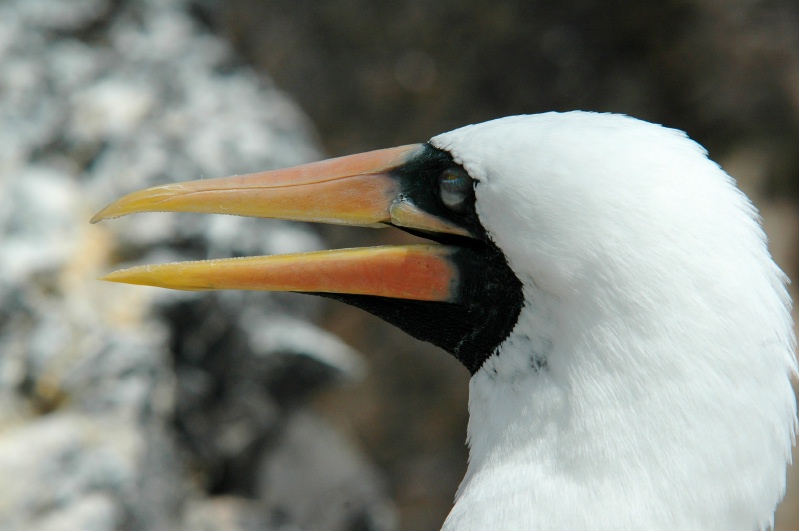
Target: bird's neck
[(577, 435)]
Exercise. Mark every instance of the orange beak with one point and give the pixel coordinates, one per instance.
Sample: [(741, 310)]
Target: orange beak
[(362, 190)]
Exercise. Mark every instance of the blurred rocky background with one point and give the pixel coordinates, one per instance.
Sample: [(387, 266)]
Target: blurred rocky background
[(132, 408), (145, 409)]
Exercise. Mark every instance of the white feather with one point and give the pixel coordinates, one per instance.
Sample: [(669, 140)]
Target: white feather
[(666, 401)]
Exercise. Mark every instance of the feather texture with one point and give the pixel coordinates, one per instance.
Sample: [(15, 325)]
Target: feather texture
[(646, 384)]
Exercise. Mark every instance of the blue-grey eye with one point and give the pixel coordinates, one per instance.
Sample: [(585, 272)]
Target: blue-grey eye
[(455, 189)]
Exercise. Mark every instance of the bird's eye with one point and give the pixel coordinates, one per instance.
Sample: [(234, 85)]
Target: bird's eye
[(455, 188)]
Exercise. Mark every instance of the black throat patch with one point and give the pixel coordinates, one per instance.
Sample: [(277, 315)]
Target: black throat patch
[(490, 295), (491, 300)]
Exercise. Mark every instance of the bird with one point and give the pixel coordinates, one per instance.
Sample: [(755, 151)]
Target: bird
[(606, 284)]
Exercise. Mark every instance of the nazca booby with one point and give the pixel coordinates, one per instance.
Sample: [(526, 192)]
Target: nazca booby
[(607, 285)]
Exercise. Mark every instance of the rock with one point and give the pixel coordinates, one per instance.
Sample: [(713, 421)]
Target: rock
[(346, 494), (133, 408)]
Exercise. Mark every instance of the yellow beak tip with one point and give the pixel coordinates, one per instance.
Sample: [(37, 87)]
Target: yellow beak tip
[(115, 279), (105, 213), (133, 275), (114, 210)]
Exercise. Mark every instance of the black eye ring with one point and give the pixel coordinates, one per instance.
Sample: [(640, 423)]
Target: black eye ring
[(455, 188)]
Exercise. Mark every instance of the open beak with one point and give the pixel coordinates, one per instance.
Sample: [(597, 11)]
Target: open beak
[(364, 190)]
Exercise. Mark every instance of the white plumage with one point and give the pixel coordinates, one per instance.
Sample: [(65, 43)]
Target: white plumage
[(646, 384), (631, 370)]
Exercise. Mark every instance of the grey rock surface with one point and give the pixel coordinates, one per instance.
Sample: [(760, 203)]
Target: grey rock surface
[(132, 408)]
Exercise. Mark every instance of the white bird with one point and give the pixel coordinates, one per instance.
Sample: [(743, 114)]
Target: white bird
[(606, 284)]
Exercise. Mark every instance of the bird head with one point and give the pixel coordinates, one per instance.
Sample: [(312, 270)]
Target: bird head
[(457, 293), (601, 214), (607, 285)]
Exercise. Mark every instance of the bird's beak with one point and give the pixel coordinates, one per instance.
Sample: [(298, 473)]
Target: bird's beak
[(361, 190)]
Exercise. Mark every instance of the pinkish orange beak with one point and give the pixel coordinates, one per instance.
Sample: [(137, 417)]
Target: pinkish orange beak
[(354, 190)]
